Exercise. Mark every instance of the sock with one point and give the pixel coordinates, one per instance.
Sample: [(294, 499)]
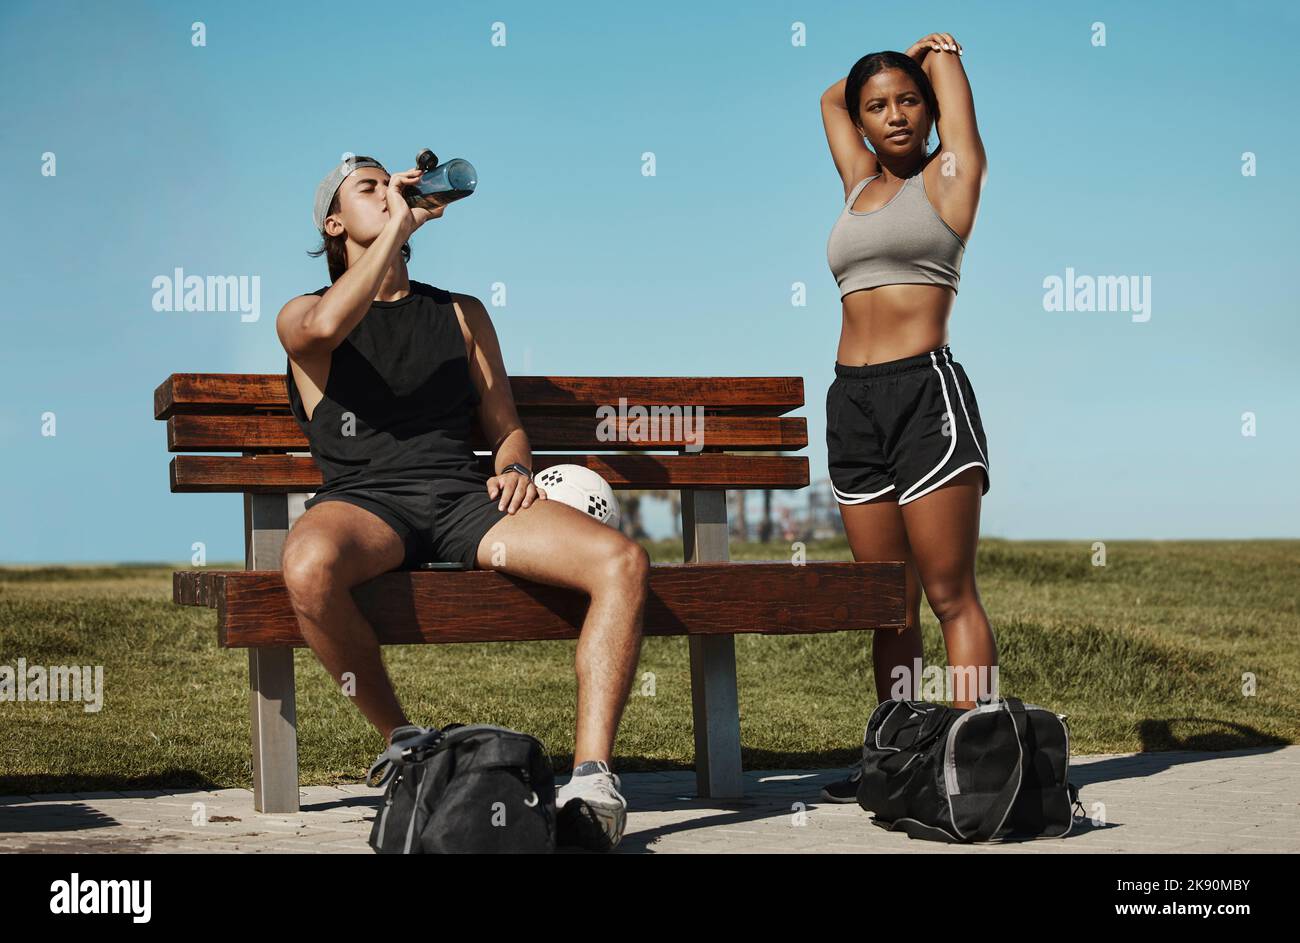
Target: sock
[(589, 767)]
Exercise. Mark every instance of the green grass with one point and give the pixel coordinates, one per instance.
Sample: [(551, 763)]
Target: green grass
[(1146, 653)]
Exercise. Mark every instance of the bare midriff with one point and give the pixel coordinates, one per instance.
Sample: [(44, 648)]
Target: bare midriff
[(892, 322)]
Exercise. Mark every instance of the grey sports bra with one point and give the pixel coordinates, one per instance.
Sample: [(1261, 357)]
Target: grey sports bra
[(905, 242)]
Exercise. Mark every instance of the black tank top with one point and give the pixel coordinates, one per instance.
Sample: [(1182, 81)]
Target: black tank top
[(399, 402)]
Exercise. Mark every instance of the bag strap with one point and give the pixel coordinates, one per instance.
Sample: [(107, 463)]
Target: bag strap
[(1000, 808), (400, 753), (1073, 791)]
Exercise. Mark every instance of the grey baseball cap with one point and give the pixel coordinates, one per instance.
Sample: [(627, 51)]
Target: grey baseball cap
[(330, 185)]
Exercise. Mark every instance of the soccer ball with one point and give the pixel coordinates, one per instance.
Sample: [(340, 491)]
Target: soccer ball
[(580, 488)]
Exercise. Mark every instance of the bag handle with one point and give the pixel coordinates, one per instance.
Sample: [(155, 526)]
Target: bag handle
[(925, 731), (400, 754), (1007, 795)]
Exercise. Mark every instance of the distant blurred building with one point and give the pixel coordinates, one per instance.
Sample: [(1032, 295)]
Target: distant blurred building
[(807, 514), (823, 518)]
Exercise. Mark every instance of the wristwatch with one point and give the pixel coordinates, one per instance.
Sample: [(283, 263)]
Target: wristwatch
[(522, 469)]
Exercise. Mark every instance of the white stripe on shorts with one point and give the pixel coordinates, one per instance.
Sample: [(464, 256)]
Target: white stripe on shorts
[(961, 397), (846, 497), (907, 495)]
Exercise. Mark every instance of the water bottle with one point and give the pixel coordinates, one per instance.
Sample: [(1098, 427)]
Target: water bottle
[(440, 184)]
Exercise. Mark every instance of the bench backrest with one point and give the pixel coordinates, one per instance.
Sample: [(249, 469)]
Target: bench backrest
[(679, 430)]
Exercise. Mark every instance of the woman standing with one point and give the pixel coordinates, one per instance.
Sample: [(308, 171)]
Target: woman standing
[(906, 448)]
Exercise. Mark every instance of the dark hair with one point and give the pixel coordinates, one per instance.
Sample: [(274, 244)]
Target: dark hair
[(875, 62), (335, 248)]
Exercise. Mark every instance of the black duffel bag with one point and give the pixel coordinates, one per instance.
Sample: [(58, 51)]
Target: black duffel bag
[(464, 788), (994, 772)]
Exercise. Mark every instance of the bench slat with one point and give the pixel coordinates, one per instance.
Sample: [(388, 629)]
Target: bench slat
[(275, 474), (281, 433), (414, 607), (200, 588), (185, 587), (244, 393)]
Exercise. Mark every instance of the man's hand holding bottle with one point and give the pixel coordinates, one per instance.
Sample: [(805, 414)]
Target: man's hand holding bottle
[(401, 214)]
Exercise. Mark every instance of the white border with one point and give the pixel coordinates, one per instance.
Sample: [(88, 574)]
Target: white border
[(845, 497), (961, 397), (906, 497), (952, 446)]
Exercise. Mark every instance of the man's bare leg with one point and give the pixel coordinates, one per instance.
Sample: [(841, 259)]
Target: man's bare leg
[(552, 543), (333, 547)]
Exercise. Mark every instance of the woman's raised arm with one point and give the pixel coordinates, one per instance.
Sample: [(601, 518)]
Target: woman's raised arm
[(958, 132), (853, 159)]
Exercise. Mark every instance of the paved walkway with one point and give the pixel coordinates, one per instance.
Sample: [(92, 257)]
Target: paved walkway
[(1243, 800)]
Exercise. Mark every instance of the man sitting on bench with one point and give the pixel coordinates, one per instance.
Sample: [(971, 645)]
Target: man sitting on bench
[(385, 377)]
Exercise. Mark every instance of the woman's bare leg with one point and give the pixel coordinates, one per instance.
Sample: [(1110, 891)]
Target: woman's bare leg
[(876, 532), (943, 532)]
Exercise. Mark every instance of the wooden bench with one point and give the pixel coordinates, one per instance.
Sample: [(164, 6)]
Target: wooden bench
[(707, 599)]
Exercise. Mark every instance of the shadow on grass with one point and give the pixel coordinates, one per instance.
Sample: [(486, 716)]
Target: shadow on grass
[(40, 783)]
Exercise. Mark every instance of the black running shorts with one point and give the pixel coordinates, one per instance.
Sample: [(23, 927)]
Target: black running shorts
[(441, 520), (902, 428)]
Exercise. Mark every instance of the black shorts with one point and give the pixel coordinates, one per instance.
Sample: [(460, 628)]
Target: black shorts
[(902, 428), (439, 520)]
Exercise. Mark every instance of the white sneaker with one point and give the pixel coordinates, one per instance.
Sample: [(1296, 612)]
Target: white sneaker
[(590, 811)]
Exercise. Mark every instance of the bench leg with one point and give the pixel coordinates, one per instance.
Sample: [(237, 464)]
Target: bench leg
[(271, 696), (717, 717), (273, 712), (716, 708)]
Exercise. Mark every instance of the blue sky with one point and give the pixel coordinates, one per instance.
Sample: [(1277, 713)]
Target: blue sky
[(1117, 160)]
